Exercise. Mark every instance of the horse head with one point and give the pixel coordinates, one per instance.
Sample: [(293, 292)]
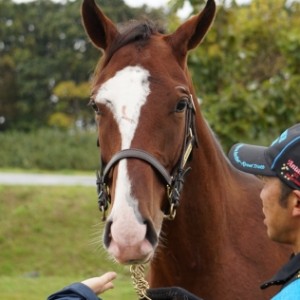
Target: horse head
[(144, 102)]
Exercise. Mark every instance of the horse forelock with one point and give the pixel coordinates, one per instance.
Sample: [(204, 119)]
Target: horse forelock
[(134, 31)]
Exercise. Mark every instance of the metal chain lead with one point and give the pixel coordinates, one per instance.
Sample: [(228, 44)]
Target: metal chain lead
[(140, 284)]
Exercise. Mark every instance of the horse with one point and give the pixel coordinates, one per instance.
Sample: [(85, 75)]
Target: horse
[(174, 199)]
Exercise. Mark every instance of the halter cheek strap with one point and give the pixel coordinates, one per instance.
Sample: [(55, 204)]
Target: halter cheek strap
[(174, 182)]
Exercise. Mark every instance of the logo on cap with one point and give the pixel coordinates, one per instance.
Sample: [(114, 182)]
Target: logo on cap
[(246, 164), (291, 172)]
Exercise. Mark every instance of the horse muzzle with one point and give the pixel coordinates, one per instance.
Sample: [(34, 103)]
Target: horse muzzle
[(131, 244)]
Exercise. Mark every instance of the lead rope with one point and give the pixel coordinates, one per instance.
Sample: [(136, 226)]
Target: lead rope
[(140, 284)]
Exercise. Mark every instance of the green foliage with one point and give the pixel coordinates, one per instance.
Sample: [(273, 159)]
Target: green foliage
[(7, 88), (49, 238), (42, 45), (247, 71), (61, 120), (69, 90), (46, 42), (49, 150), (71, 105)]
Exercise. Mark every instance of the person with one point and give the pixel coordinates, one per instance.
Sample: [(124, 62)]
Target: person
[(87, 289), (279, 168), (90, 288)]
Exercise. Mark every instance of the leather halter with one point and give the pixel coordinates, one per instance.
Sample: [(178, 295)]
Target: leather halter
[(174, 182)]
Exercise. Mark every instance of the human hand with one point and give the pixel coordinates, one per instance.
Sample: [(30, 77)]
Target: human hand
[(102, 283)]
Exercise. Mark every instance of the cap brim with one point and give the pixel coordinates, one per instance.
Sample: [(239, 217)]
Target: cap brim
[(250, 159)]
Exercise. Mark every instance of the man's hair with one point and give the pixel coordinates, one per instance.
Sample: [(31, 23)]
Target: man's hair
[(285, 192)]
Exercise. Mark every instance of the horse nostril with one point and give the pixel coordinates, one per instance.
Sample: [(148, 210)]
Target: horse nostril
[(107, 234), (151, 235)]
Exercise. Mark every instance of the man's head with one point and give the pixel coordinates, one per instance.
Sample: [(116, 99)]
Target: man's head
[(279, 167)]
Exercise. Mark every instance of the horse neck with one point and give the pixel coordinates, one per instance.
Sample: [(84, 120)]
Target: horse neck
[(201, 214)]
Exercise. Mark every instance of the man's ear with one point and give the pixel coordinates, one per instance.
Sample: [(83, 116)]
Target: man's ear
[(296, 203)]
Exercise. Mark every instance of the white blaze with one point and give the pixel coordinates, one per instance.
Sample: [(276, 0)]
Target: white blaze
[(125, 94)]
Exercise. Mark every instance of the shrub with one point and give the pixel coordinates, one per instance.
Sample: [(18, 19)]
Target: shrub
[(47, 149)]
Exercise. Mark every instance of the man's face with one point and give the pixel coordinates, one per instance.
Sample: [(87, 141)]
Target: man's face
[(278, 219)]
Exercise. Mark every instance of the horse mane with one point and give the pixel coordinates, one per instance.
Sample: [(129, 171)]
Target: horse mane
[(134, 31)]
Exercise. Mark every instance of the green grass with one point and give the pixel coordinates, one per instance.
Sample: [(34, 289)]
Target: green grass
[(49, 238), (19, 288)]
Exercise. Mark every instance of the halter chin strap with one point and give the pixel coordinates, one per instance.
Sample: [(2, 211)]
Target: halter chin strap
[(174, 182)]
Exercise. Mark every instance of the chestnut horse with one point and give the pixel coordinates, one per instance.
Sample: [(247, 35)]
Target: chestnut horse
[(151, 133)]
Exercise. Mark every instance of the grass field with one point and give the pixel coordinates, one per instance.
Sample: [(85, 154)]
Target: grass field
[(18, 288), (49, 238)]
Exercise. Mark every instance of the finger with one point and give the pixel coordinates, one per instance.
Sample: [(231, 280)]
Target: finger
[(106, 280), (107, 286), (108, 277), (102, 283)]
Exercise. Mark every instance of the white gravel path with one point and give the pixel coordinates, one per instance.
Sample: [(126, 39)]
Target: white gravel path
[(46, 179)]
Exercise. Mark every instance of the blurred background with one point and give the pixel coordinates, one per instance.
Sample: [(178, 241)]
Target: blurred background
[(247, 77)]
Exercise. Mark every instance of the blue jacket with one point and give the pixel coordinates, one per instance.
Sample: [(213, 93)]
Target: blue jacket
[(75, 291), (290, 292)]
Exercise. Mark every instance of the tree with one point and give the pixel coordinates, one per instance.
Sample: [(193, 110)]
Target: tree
[(8, 91), (247, 71), (72, 107), (43, 44)]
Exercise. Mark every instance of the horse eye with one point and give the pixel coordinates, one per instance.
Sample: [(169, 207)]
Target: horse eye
[(181, 105), (94, 106)]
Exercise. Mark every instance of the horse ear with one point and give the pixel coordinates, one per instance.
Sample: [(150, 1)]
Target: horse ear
[(190, 34), (99, 28)]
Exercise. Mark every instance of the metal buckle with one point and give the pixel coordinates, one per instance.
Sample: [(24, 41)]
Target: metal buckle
[(172, 213)]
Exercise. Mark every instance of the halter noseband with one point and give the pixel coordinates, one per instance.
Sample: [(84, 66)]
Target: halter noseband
[(174, 182)]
